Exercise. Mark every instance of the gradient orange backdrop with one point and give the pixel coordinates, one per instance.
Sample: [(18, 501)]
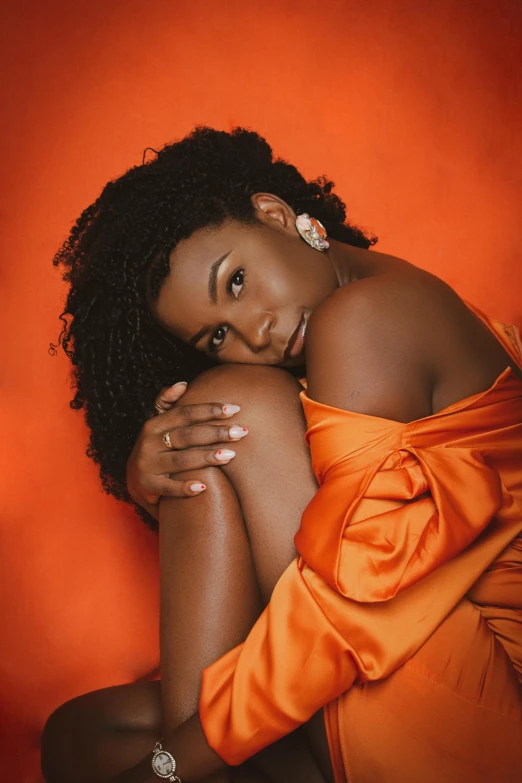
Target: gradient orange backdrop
[(413, 108)]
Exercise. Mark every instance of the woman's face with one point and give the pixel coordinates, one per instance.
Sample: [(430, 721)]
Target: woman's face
[(244, 293)]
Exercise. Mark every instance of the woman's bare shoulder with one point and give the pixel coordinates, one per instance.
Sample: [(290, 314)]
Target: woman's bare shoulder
[(371, 345)]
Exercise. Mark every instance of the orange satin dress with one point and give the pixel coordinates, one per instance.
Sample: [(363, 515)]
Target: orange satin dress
[(402, 614)]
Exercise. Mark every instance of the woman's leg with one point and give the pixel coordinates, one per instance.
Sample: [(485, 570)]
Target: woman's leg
[(272, 473), (273, 479), (209, 592), (210, 600), (209, 588)]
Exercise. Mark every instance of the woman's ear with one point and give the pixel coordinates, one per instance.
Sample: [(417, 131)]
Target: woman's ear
[(272, 210)]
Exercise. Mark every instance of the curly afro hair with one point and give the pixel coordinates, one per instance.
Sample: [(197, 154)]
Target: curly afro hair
[(120, 356)]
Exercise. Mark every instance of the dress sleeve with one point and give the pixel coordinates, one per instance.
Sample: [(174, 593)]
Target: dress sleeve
[(293, 661), (370, 585)]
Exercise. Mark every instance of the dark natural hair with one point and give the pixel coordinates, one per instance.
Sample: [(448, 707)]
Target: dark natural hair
[(120, 356)]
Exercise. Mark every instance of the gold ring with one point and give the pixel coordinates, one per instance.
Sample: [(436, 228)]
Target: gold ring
[(159, 408), (167, 441)]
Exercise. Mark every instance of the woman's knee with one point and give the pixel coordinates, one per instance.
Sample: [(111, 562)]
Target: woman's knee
[(270, 409), (257, 390)]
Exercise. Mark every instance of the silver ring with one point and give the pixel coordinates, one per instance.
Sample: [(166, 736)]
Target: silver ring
[(167, 441), (159, 408)]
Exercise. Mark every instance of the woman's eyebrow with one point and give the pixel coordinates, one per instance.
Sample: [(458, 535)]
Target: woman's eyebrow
[(212, 278)]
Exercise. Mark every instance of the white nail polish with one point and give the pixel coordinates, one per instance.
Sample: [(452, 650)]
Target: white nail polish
[(237, 432), (230, 409), (197, 487), (224, 454)]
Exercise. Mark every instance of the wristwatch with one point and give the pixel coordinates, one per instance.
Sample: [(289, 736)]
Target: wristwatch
[(164, 764)]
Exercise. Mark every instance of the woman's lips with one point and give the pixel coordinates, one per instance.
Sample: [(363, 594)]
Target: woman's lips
[(296, 342)]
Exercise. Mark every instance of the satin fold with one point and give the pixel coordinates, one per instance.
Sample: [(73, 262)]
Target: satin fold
[(407, 519)]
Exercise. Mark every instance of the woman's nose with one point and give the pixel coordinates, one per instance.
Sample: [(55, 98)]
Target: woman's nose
[(258, 333)]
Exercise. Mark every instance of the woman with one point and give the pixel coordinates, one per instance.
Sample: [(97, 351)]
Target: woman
[(409, 553)]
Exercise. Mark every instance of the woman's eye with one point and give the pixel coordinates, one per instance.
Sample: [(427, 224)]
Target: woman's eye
[(218, 337), (237, 281)]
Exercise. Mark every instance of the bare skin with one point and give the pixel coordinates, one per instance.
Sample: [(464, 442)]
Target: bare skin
[(383, 338)]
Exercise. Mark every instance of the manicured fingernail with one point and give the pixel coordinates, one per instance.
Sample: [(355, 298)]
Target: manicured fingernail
[(237, 432), (179, 383), (230, 409), (197, 487), (224, 454)]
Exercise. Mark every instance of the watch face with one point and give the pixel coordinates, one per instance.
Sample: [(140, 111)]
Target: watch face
[(163, 764)]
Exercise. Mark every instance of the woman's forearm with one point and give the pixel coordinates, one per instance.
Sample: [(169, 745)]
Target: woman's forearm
[(107, 737), (196, 761)]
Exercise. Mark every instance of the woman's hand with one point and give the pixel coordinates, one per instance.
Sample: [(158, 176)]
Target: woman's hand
[(152, 465)]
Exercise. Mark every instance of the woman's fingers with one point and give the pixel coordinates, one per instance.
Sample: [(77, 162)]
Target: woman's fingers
[(156, 459), (180, 489), (187, 415), (167, 397), (201, 435), (172, 462)]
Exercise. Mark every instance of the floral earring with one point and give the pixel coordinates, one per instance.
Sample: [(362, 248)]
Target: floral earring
[(312, 231)]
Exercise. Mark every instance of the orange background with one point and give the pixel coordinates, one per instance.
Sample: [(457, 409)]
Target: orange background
[(416, 113)]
